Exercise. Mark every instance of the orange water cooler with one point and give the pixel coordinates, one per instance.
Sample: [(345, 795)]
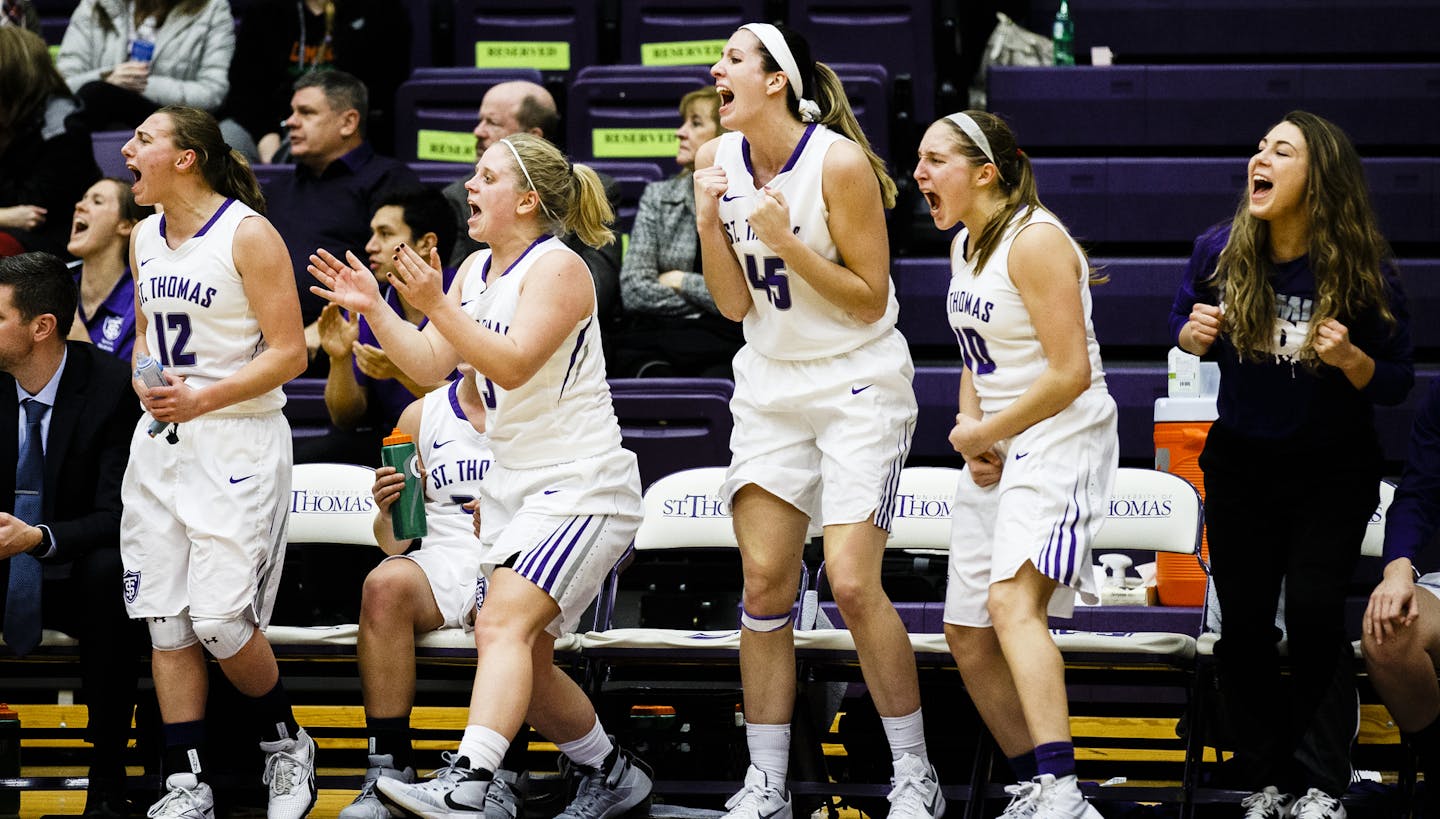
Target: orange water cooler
[(1181, 425)]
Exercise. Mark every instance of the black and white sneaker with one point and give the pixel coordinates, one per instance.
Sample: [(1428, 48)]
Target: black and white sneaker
[(618, 786), (1269, 803), (1317, 804), (452, 791), (506, 796), (759, 799), (368, 805), (290, 775)]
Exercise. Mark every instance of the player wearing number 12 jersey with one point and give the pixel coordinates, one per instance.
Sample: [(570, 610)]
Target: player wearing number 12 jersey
[(1037, 429), (790, 213)]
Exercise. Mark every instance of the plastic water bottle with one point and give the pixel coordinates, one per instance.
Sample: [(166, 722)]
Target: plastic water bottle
[(1063, 33), (149, 371), (9, 758), (142, 45), (407, 515)]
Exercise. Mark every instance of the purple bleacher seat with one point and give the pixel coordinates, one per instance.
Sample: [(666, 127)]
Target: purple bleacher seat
[(1378, 104), (1075, 189), (674, 423), (439, 174), (446, 100), (1219, 104), (564, 34), (867, 86), (107, 145), (897, 35), (634, 109), (645, 24), (1070, 105), (631, 178), (1404, 193), (1133, 307), (920, 287), (1422, 291), (305, 407), (937, 391)]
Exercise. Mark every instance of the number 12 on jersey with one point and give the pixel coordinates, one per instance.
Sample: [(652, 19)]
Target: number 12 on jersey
[(773, 280)]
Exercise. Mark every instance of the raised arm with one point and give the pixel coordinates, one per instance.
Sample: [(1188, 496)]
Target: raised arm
[(722, 270)]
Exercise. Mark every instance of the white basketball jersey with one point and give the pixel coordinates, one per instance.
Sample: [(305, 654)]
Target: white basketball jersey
[(997, 338), (456, 458), (790, 319), (201, 324), (563, 413)]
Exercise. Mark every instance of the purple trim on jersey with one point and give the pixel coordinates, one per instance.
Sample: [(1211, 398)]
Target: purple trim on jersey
[(789, 163), (205, 227), (1057, 559), (485, 268), (885, 511), (535, 565), (579, 342), (455, 401), (565, 555)]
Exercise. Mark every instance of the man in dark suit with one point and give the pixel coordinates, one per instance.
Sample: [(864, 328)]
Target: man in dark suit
[(89, 415)]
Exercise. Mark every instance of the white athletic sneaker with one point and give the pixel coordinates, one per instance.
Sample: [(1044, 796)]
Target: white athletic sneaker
[(757, 800), (1061, 799), (186, 797), (616, 787), (290, 773), (505, 797), (367, 805), (454, 790), (1024, 800), (915, 790), (1317, 804), (1269, 803)]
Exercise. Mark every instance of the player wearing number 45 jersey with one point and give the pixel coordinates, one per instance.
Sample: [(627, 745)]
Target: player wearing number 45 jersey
[(202, 535), (790, 212), (1037, 429)]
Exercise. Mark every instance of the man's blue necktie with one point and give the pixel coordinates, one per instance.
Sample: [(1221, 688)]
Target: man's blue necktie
[(22, 596)]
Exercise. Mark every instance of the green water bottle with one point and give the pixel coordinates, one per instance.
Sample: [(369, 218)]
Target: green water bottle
[(407, 515), (9, 759), (1063, 35)]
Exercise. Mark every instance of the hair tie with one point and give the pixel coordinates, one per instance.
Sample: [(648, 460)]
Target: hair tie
[(774, 42), (521, 163)]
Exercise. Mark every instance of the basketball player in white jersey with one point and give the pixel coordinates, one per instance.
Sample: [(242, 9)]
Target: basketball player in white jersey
[(790, 208), (419, 590), (203, 531), (1037, 429), (562, 501)]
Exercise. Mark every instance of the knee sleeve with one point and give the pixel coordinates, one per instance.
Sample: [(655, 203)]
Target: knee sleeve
[(223, 638), (764, 622), (171, 633)]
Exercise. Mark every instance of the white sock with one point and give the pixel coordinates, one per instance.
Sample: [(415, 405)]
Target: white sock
[(483, 748), (590, 750), (906, 735), (770, 751)]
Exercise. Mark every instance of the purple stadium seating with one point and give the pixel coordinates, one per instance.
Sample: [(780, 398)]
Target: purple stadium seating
[(628, 97), (631, 178), (650, 22), (674, 423), (1069, 106), (445, 99), (867, 86), (106, 146), (529, 21), (1422, 291), (897, 35)]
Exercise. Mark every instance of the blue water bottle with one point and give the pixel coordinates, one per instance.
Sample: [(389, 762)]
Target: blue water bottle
[(149, 371)]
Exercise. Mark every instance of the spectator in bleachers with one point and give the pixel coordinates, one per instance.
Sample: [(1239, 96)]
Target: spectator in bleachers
[(338, 180), (1400, 633), (68, 538), (44, 166), (1298, 300), (280, 40), (1033, 387), (126, 58), (672, 326), (419, 590), (790, 209), (100, 239), (364, 391), (21, 14), (520, 107), (521, 315)]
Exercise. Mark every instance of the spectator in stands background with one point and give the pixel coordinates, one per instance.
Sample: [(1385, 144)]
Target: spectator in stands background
[(86, 416), (202, 534), (523, 107), (100, 239), (1298, 300), (280, 40), (1033, 385), (520, 314), (126, 58), (338, 180), (364, 391), (44, 166), (20, 13), (1401, 629), (672, 326), (790, 209), (416, 591)]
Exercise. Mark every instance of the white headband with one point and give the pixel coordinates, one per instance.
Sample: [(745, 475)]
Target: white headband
[(521, 163), (774, 42), (976, 135)]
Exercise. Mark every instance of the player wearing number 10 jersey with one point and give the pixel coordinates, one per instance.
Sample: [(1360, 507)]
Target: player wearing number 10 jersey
[(1037, 429)]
